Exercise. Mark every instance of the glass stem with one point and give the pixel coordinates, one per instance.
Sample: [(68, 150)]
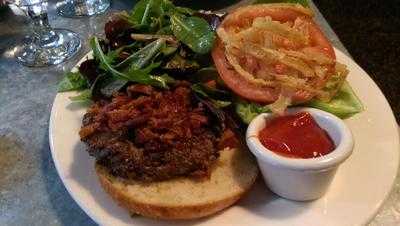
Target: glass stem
[(43, 34)]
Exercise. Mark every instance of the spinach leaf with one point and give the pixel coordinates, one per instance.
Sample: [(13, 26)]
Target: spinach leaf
[(193, 31), (72, 81), (301, 2), (166, 30), (184, 10), (145, 9), (148, 15), (85, 95), (343, 105), (133, 75), (212, 18)]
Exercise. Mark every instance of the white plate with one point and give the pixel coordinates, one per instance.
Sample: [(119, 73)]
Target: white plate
[(358, 190)]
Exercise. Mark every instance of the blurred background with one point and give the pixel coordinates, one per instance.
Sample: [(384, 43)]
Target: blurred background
[(370, 30)]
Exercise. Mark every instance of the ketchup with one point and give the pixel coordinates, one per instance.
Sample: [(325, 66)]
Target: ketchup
[(296, 136)]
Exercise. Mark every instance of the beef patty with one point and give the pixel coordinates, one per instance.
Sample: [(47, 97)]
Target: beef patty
[(151, 135)]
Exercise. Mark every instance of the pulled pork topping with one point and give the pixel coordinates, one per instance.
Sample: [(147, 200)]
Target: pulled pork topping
[(151, 135)]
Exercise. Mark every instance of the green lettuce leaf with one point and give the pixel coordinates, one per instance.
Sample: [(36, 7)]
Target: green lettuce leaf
[(83, 96), (72, 81), (247, 110), (344, 104)]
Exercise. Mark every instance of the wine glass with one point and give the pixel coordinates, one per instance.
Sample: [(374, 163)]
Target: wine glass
[(78, 8), (46, 46)]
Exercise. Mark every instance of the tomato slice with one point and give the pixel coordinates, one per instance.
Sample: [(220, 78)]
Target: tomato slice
[(243, 17)]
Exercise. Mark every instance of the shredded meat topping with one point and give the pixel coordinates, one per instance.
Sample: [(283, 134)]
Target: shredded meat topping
[(151, 135)]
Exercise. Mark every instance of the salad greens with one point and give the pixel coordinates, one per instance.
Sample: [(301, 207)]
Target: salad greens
[(195, 32), (217, 97), (72, 81), (162, 17), (158, 43), (85, 95), (247, 110), (143, 56), (343, 105)]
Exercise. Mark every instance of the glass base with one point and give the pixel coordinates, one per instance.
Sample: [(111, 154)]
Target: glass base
[(34, 54), (79, 8)]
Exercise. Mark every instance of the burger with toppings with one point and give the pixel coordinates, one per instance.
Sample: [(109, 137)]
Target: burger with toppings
[(276, 54), (171, 92)]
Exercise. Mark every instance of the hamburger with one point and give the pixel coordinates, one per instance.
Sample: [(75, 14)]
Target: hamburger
[(163, 154)]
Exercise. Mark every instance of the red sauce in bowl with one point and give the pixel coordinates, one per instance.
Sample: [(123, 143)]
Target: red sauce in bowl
[(296, 136)]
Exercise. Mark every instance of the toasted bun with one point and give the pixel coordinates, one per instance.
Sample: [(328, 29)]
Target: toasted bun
[(185, 198)]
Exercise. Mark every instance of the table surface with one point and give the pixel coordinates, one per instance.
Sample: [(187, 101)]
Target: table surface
[(31, 193)]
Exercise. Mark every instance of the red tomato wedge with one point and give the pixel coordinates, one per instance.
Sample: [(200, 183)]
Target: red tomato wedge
[(242, 18)]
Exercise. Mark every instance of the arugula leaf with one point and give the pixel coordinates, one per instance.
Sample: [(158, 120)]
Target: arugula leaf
[(144, 56), (343, 105), (110, 58), (217, 97), (105, 86), (145, 70), (218, 115), (85, 95), (212, 92), (72, 81), (99, 55), (132, 75), (193, 31), (301, 2)]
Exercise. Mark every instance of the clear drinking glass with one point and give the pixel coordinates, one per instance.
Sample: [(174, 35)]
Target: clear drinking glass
[(46, 46), (78, 8)]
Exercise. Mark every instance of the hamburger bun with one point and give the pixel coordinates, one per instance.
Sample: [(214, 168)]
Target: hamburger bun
[(232, 176)]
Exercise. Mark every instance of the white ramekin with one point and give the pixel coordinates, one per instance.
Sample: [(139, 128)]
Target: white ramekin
[(301, 179)]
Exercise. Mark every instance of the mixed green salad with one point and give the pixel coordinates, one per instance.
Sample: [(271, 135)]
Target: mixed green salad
[(158, 43)]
